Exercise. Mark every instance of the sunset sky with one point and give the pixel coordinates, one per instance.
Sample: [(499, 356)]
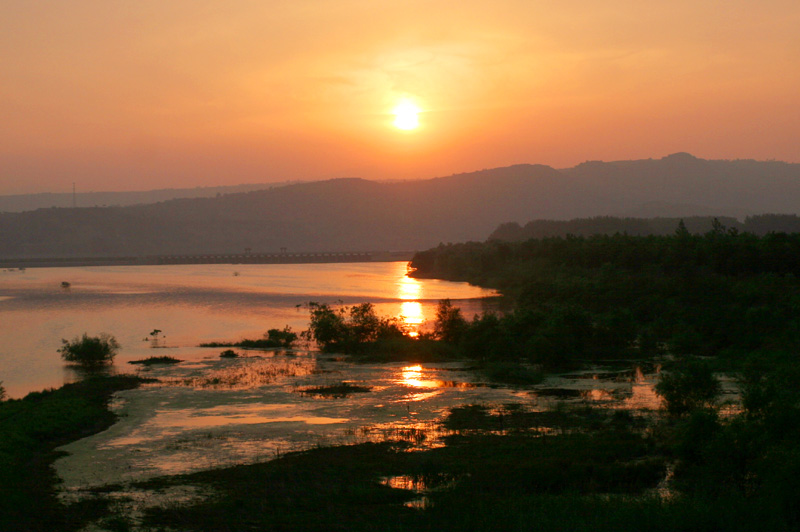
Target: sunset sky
[(134, 95)]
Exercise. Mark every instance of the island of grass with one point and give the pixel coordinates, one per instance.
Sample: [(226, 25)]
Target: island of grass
[(151, 361), (272, 339), (341, 389)]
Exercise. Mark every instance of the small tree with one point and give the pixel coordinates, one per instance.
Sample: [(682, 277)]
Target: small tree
[(2, 392), (281, 337), (450, 324), (691, 386), (90, 351)]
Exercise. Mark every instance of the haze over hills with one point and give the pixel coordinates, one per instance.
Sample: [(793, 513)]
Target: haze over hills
[(44, 200), (360, 215)]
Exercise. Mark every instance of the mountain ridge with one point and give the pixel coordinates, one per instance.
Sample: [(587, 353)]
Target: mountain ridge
[(355, 214)]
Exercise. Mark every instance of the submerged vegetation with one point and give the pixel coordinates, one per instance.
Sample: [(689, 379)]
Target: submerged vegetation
[(342, 389)]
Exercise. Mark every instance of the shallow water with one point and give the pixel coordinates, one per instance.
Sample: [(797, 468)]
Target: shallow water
[(190, 304), (181, 424), (207, 412)]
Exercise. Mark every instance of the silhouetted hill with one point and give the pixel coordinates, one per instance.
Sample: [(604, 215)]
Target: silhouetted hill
[(736, 188), (45, 200), (358, 215)]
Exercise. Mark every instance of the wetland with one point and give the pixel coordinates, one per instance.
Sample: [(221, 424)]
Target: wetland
[(625, 383)]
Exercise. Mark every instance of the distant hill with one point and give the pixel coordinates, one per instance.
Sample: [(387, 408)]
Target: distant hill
[(360, 215), (45, 200)]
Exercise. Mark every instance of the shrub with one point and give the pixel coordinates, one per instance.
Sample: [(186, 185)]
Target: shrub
[(281, 337), (450, 324), (688, 387), (349, 329), (90, 350)]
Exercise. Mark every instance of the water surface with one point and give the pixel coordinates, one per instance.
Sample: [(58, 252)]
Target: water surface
[(190, 304)]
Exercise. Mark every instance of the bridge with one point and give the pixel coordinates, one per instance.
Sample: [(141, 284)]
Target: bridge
[(211, 258)]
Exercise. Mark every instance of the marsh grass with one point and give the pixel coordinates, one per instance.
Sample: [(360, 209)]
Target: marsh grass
[(240, 374), (351, 487), (338, 390), (511, 373)]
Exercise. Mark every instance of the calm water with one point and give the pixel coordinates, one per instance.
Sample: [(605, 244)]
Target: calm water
[(191, 304)]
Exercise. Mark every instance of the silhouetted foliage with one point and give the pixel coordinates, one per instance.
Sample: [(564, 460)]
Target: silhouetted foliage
[(591, 298), (688, 387), (90, 350), (450, 324), (273, 338), (349, 329)]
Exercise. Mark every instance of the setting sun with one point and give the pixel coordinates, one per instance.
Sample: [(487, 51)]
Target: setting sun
[(406, 115)]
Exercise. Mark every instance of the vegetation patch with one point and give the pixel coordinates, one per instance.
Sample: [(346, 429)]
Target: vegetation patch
[(30, 429), (273, 338), (345, 488), (511, 373), (151, 361), (342, 389)]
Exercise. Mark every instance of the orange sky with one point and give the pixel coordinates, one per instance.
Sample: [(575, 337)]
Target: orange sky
[(121, 95)]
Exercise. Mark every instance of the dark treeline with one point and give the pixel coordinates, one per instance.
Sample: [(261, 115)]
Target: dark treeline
[(609, 225), (587, 298), (723, 301)]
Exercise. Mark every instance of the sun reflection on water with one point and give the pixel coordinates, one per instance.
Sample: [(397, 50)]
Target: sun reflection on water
[(408, 288), (412, 317), (425, 387)]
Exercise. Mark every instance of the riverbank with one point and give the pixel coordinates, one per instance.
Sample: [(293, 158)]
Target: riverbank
[(30, 430)]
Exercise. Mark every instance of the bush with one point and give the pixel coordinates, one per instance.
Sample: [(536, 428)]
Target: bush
[(690, 386), (90, 350), (349, 329)]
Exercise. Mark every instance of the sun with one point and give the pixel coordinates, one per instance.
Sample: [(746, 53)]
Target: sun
[(406, 115)]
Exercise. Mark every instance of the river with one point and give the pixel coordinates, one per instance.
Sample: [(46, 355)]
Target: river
[(190, 304)]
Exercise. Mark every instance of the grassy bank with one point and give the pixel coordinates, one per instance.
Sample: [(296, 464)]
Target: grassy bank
[(30, 430)]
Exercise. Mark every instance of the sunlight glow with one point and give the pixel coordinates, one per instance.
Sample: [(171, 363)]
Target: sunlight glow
[(411, 314), (409, 288), (406, 115)]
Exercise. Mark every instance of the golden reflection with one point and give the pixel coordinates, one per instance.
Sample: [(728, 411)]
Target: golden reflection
[(412, 376), (643, 393), (418, 377), (412, 317), (408, 288), (597, 394)]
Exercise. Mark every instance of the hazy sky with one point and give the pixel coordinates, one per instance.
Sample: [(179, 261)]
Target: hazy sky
[(131, 95)]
